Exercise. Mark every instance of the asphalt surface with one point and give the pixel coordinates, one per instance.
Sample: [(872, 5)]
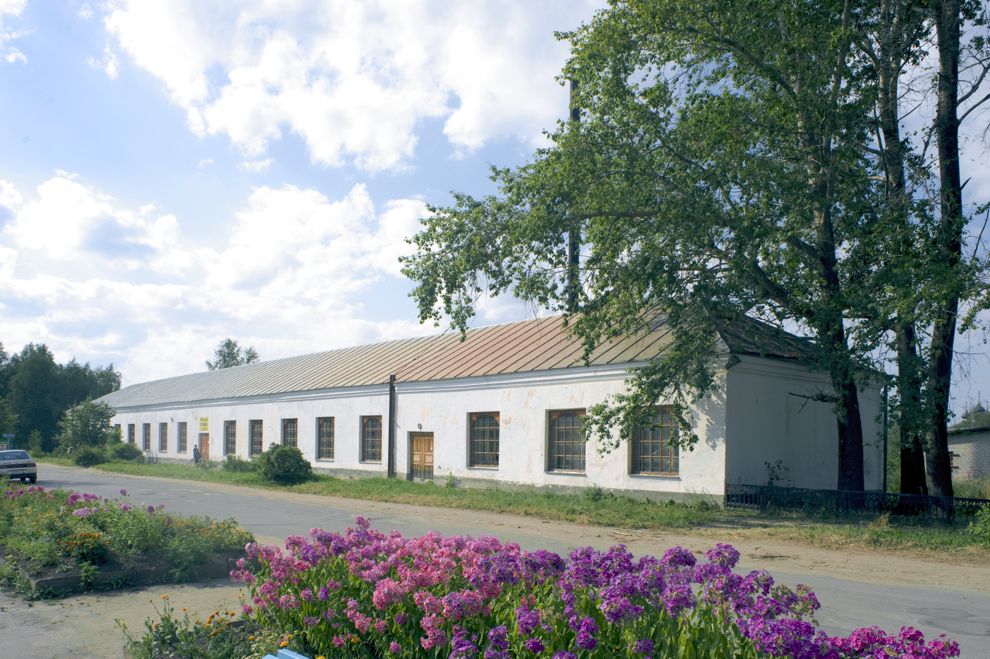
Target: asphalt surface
[(962, 614)]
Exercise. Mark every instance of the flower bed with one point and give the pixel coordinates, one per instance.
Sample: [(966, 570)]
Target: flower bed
[(56, 541), (367, 594)]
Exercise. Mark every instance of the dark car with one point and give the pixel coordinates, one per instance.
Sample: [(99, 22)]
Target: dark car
[(18, 464)]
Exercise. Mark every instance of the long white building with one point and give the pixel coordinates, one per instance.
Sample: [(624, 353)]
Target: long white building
[(505, 405)]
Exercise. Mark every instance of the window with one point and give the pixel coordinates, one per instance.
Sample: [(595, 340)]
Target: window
[(163, 438), (652, 451), (181, 432), (371, 439), (324, 438), (116, 431), (130, 433), (146, 436), (256, 435), (565, 440), (290, 432), (483, 439), (229, 437)]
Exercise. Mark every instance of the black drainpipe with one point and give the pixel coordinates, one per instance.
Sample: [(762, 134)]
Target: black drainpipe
[(391, 426)]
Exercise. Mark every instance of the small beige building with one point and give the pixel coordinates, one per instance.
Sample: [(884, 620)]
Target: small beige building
[(505, 406), (969, 445)]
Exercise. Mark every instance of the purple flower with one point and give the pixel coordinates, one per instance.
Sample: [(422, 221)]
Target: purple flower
[(123, 492), (643, 646), (534, 645), (394, 648), (586, 634)]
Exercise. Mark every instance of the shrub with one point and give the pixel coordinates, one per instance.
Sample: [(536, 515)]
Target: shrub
[(369, 594), (285, 465), (51, 531), (87, 456), (126, 452), (236, 464), (980, 527), (86, 424)]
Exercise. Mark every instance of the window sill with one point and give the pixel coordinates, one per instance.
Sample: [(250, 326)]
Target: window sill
[(325, 460), (563, 472), (483, 467), (658, 476), (369, 462)]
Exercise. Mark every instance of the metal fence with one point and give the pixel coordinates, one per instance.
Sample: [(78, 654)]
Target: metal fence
[(763, 497)]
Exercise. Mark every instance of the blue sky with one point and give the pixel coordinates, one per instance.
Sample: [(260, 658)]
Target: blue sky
[(177, 171)]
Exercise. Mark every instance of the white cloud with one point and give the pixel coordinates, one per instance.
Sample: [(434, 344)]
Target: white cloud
[(204, 163), (256, 166), (11, 54), (354, 80), (85, 12), (102, 282), (108, 63)]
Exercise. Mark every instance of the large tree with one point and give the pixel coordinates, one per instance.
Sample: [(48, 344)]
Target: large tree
[(717, 170), (230, 353)]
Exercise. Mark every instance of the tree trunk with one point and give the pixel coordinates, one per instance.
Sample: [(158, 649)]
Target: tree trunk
[(894, 33), (911, 436), (948, 246)]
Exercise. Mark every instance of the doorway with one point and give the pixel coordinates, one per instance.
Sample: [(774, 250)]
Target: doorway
[(204, 446), (421, 456)]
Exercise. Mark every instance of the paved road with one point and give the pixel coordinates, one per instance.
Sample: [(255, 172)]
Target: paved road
[(963, 614)]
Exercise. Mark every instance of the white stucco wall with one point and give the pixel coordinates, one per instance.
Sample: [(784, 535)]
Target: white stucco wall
[(442, 408), (770, 417)]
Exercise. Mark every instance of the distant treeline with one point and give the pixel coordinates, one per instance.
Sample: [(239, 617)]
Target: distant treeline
[(35, 392)]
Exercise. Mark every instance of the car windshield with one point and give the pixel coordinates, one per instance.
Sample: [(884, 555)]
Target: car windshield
[(14, 455)]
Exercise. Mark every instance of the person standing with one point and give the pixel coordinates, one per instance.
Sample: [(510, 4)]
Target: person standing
[(196, 455)]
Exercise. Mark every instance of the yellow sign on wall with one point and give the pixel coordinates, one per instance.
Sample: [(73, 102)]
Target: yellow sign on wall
[(204, 424)]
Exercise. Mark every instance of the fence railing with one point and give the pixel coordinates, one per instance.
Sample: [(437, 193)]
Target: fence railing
[(838, 501)]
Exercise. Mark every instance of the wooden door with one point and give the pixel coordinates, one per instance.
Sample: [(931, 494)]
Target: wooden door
[(204, 446), (421, 455)]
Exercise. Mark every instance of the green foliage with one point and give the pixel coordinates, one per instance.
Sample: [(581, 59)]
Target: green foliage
[(980, 527), (35, 443), (229, 353), (125, 451), (285, 465), (976, 489), (55, 530), (85, 425), (238, 465), (168, 635), (36, 392), (87, 456)]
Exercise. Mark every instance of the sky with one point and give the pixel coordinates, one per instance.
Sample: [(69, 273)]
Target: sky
[(174, 172)]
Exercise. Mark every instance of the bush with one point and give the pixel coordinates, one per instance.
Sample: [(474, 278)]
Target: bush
[(54, 531), (369, 594), (285, 465), (126, 452), (980, 527), (236, 464), (87, 456)]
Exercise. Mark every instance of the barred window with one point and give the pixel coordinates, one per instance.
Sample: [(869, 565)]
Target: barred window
[(229, 437), (162, 437), (130, 433), (324, 438), (146, 436), (256, 435), (371, 439), (290, 432), (483, 439), (565, 440), (652, 450), (182, 433)]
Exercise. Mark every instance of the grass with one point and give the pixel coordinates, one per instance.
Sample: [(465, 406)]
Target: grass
[(979, 489), (600, 508)]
